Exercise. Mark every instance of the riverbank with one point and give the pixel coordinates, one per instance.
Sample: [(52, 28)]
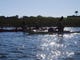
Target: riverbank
[(41, 21)]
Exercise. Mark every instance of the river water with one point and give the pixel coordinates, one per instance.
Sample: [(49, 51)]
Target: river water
[(22, 46)]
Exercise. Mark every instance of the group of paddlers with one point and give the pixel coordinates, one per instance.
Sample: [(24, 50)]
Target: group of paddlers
[(59, 28)]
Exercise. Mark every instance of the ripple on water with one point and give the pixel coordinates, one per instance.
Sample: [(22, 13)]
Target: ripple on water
[(18, 46)]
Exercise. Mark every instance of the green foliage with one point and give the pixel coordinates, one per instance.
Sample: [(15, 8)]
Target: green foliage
[(40, 21)]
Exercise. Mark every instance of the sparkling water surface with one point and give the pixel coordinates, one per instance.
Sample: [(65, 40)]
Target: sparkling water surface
[(22, 46)]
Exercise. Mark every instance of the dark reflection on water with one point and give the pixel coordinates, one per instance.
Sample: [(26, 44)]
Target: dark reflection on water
[(21, 46)]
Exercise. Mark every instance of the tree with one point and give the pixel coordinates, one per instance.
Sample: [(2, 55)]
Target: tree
[(76, 12)]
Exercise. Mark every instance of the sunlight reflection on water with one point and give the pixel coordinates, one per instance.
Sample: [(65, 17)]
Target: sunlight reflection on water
[(56, 47), (21, 46)]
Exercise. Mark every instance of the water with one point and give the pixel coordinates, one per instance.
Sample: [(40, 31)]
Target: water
[(21, 46)]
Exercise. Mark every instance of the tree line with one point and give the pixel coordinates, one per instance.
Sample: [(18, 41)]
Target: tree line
[(40, 21)]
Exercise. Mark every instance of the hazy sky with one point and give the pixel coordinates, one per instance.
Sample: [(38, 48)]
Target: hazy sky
[(53, 8)]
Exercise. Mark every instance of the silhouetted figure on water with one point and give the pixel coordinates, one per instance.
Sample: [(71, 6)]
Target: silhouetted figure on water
[(60, 26), (50, 30), (23, 26)]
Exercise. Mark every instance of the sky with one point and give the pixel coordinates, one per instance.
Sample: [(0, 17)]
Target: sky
[(54, 8)]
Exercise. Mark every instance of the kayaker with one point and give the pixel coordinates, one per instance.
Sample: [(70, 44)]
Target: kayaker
[(60, 26)]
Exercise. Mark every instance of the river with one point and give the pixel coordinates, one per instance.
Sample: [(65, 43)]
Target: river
[(22, 46)]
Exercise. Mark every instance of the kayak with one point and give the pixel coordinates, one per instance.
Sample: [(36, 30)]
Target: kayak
[(55, 32)]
